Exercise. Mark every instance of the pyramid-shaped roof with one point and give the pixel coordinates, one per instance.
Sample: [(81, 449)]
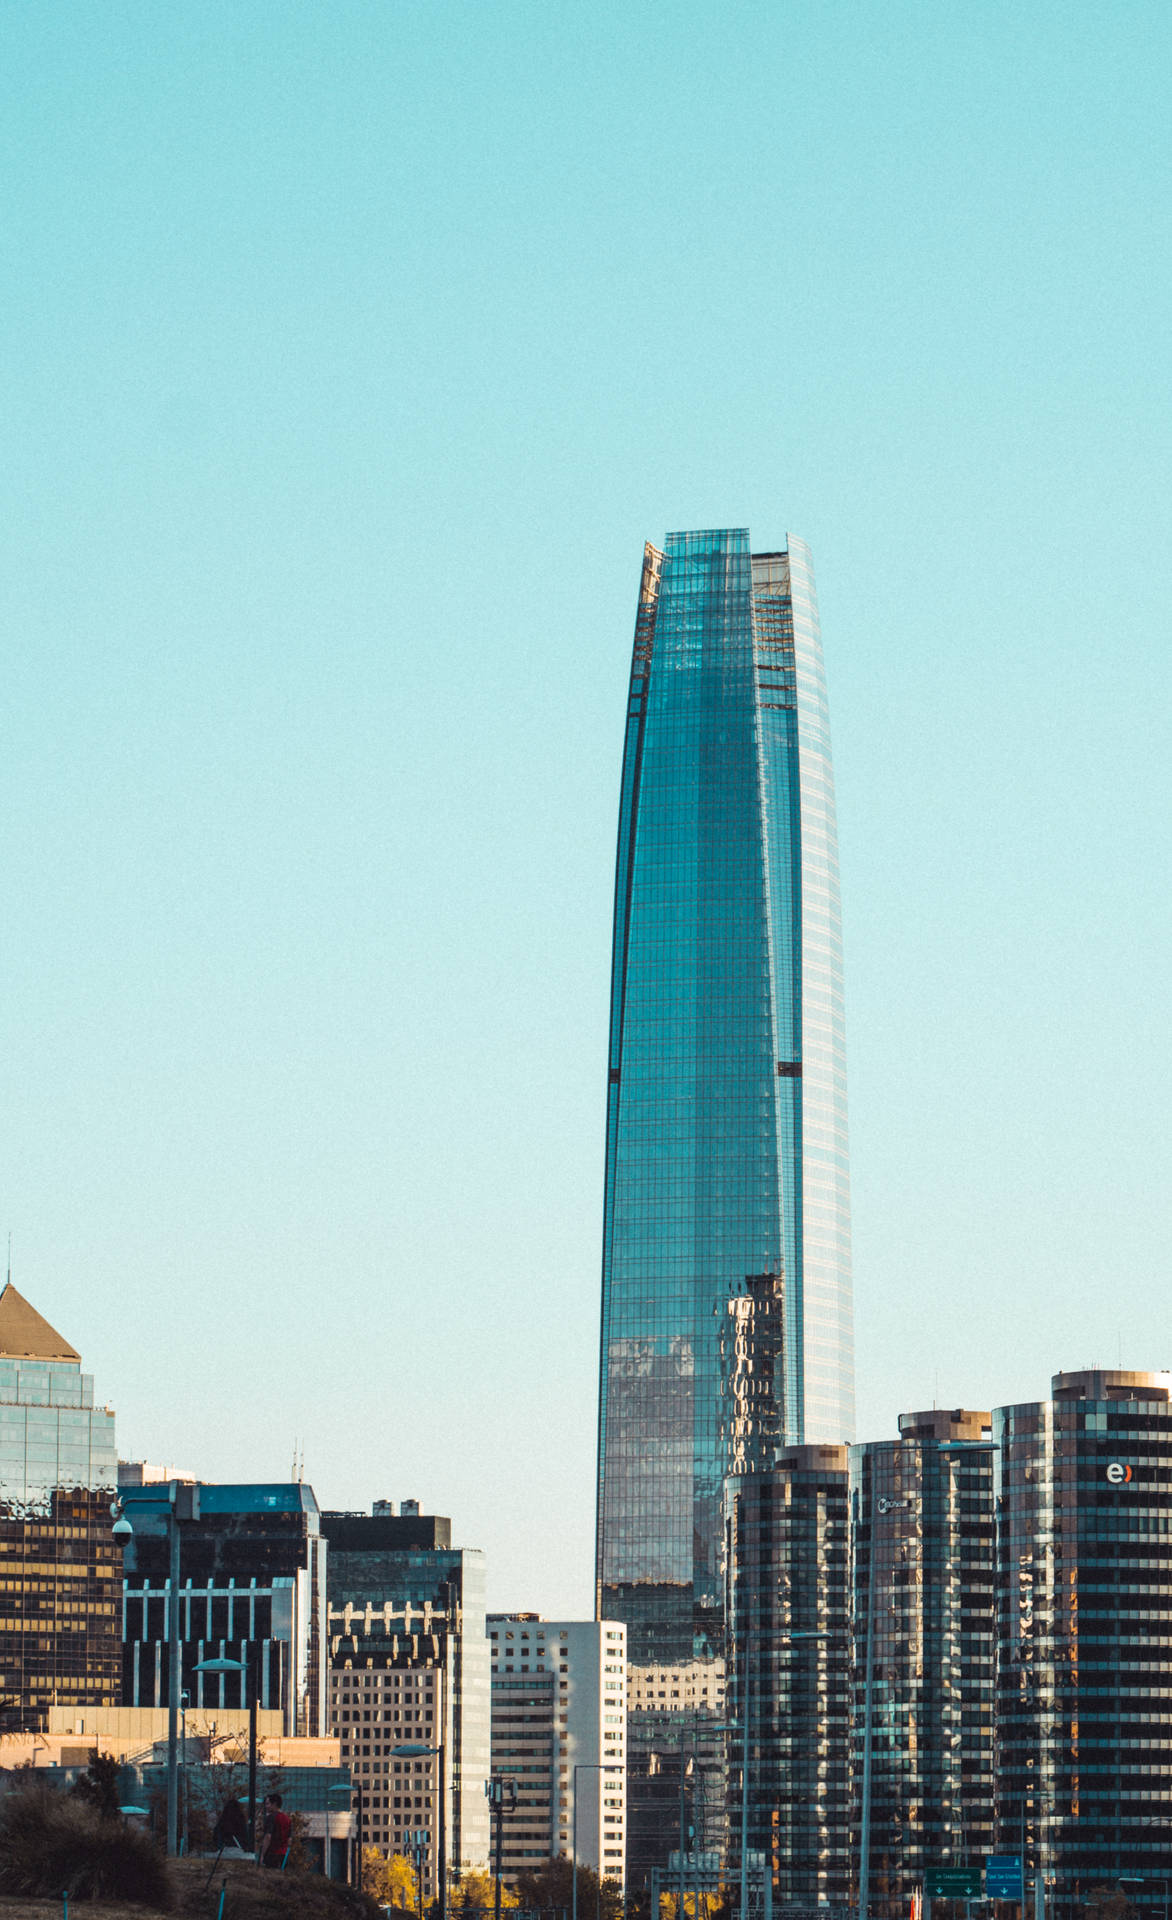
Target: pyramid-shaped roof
[(26, 1335)]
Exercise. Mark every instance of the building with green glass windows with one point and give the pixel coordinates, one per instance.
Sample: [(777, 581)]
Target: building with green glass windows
[(726, 1151)]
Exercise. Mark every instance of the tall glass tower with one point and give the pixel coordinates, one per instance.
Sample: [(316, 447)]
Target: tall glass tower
[(727, 1195)]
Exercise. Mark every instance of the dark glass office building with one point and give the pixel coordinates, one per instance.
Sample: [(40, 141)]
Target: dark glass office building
[(923, 1560), (252, 1588), (1084, 1636), (726, 1153)]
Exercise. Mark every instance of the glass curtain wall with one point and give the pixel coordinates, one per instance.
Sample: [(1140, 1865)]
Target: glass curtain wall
[(922, 1509), (60, 1642), (726, 1131), (1084, 1658)]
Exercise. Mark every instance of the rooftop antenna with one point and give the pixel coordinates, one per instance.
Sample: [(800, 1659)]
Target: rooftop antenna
[(293, 1468), (10, 1256)]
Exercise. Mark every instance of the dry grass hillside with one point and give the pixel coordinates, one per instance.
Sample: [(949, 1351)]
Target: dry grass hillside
[(250, 1895)]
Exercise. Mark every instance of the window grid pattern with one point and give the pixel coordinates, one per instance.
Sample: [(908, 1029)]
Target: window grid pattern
[(726, 1128), (1084, 1634)]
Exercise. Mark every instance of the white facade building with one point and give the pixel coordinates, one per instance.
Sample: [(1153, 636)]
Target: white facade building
[(559, 1713)]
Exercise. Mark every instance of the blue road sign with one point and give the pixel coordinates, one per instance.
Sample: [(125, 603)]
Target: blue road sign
[(1003, 1876)]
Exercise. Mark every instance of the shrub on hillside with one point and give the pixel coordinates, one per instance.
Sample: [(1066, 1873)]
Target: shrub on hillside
[(52, 1843)]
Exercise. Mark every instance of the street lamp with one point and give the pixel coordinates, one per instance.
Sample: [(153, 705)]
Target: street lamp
[(414, 1750), (351, 1787), (184, 1697), (588, 1766), (499, 1791), (249, 1669), (182, 1505)]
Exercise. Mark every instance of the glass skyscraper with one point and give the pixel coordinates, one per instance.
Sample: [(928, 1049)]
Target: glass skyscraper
[(726, 1153), (61, 1567)]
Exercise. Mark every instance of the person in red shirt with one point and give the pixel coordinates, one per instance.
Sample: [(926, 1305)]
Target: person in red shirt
[(276, 1833)]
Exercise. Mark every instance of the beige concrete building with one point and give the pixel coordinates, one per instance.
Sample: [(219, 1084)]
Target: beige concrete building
[(559, 1712)]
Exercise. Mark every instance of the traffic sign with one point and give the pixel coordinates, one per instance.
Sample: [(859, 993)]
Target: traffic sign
[(952, 1883), (1003, 1876)]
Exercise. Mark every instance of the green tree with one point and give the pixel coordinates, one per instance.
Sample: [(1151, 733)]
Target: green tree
[(98, 1785), (553, 1887)]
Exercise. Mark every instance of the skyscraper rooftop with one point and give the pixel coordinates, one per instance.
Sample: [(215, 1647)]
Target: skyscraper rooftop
[(25, 1334)]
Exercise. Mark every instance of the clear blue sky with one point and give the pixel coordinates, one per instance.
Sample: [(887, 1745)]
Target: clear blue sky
[(350, 353)]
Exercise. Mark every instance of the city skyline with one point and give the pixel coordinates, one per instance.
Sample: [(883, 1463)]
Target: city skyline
[(326, 341)]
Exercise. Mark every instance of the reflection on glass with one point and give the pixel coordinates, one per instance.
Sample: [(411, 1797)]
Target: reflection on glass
[(726, 1157), (60, 1640)]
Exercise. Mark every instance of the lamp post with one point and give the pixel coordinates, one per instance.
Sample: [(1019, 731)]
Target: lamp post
[(585, 1766), (182, 1505), (500, 1791), (413, 1750), (251, 1671), (354, 1787), (183, 1700)]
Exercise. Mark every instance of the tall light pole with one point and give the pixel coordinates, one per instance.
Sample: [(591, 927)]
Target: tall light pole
[(585, 1766), (183, 1699), (182, 1505), (500, 1791), (353, 1789), (251, 1671), (412, 1750)]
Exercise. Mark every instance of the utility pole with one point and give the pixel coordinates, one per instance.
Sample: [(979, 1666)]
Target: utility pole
[(502, 1793), (183, 1501)]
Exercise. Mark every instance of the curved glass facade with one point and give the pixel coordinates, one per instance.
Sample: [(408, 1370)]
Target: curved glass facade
[(726, 1156)]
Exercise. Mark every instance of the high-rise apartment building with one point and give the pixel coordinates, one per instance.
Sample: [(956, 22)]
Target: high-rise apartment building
[(409, 1668), (60, 1567), (789, 1611), (726, 1154), (1084, 1636), (559, 1708), (922, 1515)]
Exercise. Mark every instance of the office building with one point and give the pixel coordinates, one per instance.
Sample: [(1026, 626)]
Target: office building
[(1084, 1636), (59, 1563), (789, 1617), (409, 1667), (252, 1588), (559, 1708), (922, 1515), (726, 1149)]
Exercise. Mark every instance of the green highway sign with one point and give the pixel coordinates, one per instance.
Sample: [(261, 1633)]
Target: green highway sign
[(952, 1883)]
